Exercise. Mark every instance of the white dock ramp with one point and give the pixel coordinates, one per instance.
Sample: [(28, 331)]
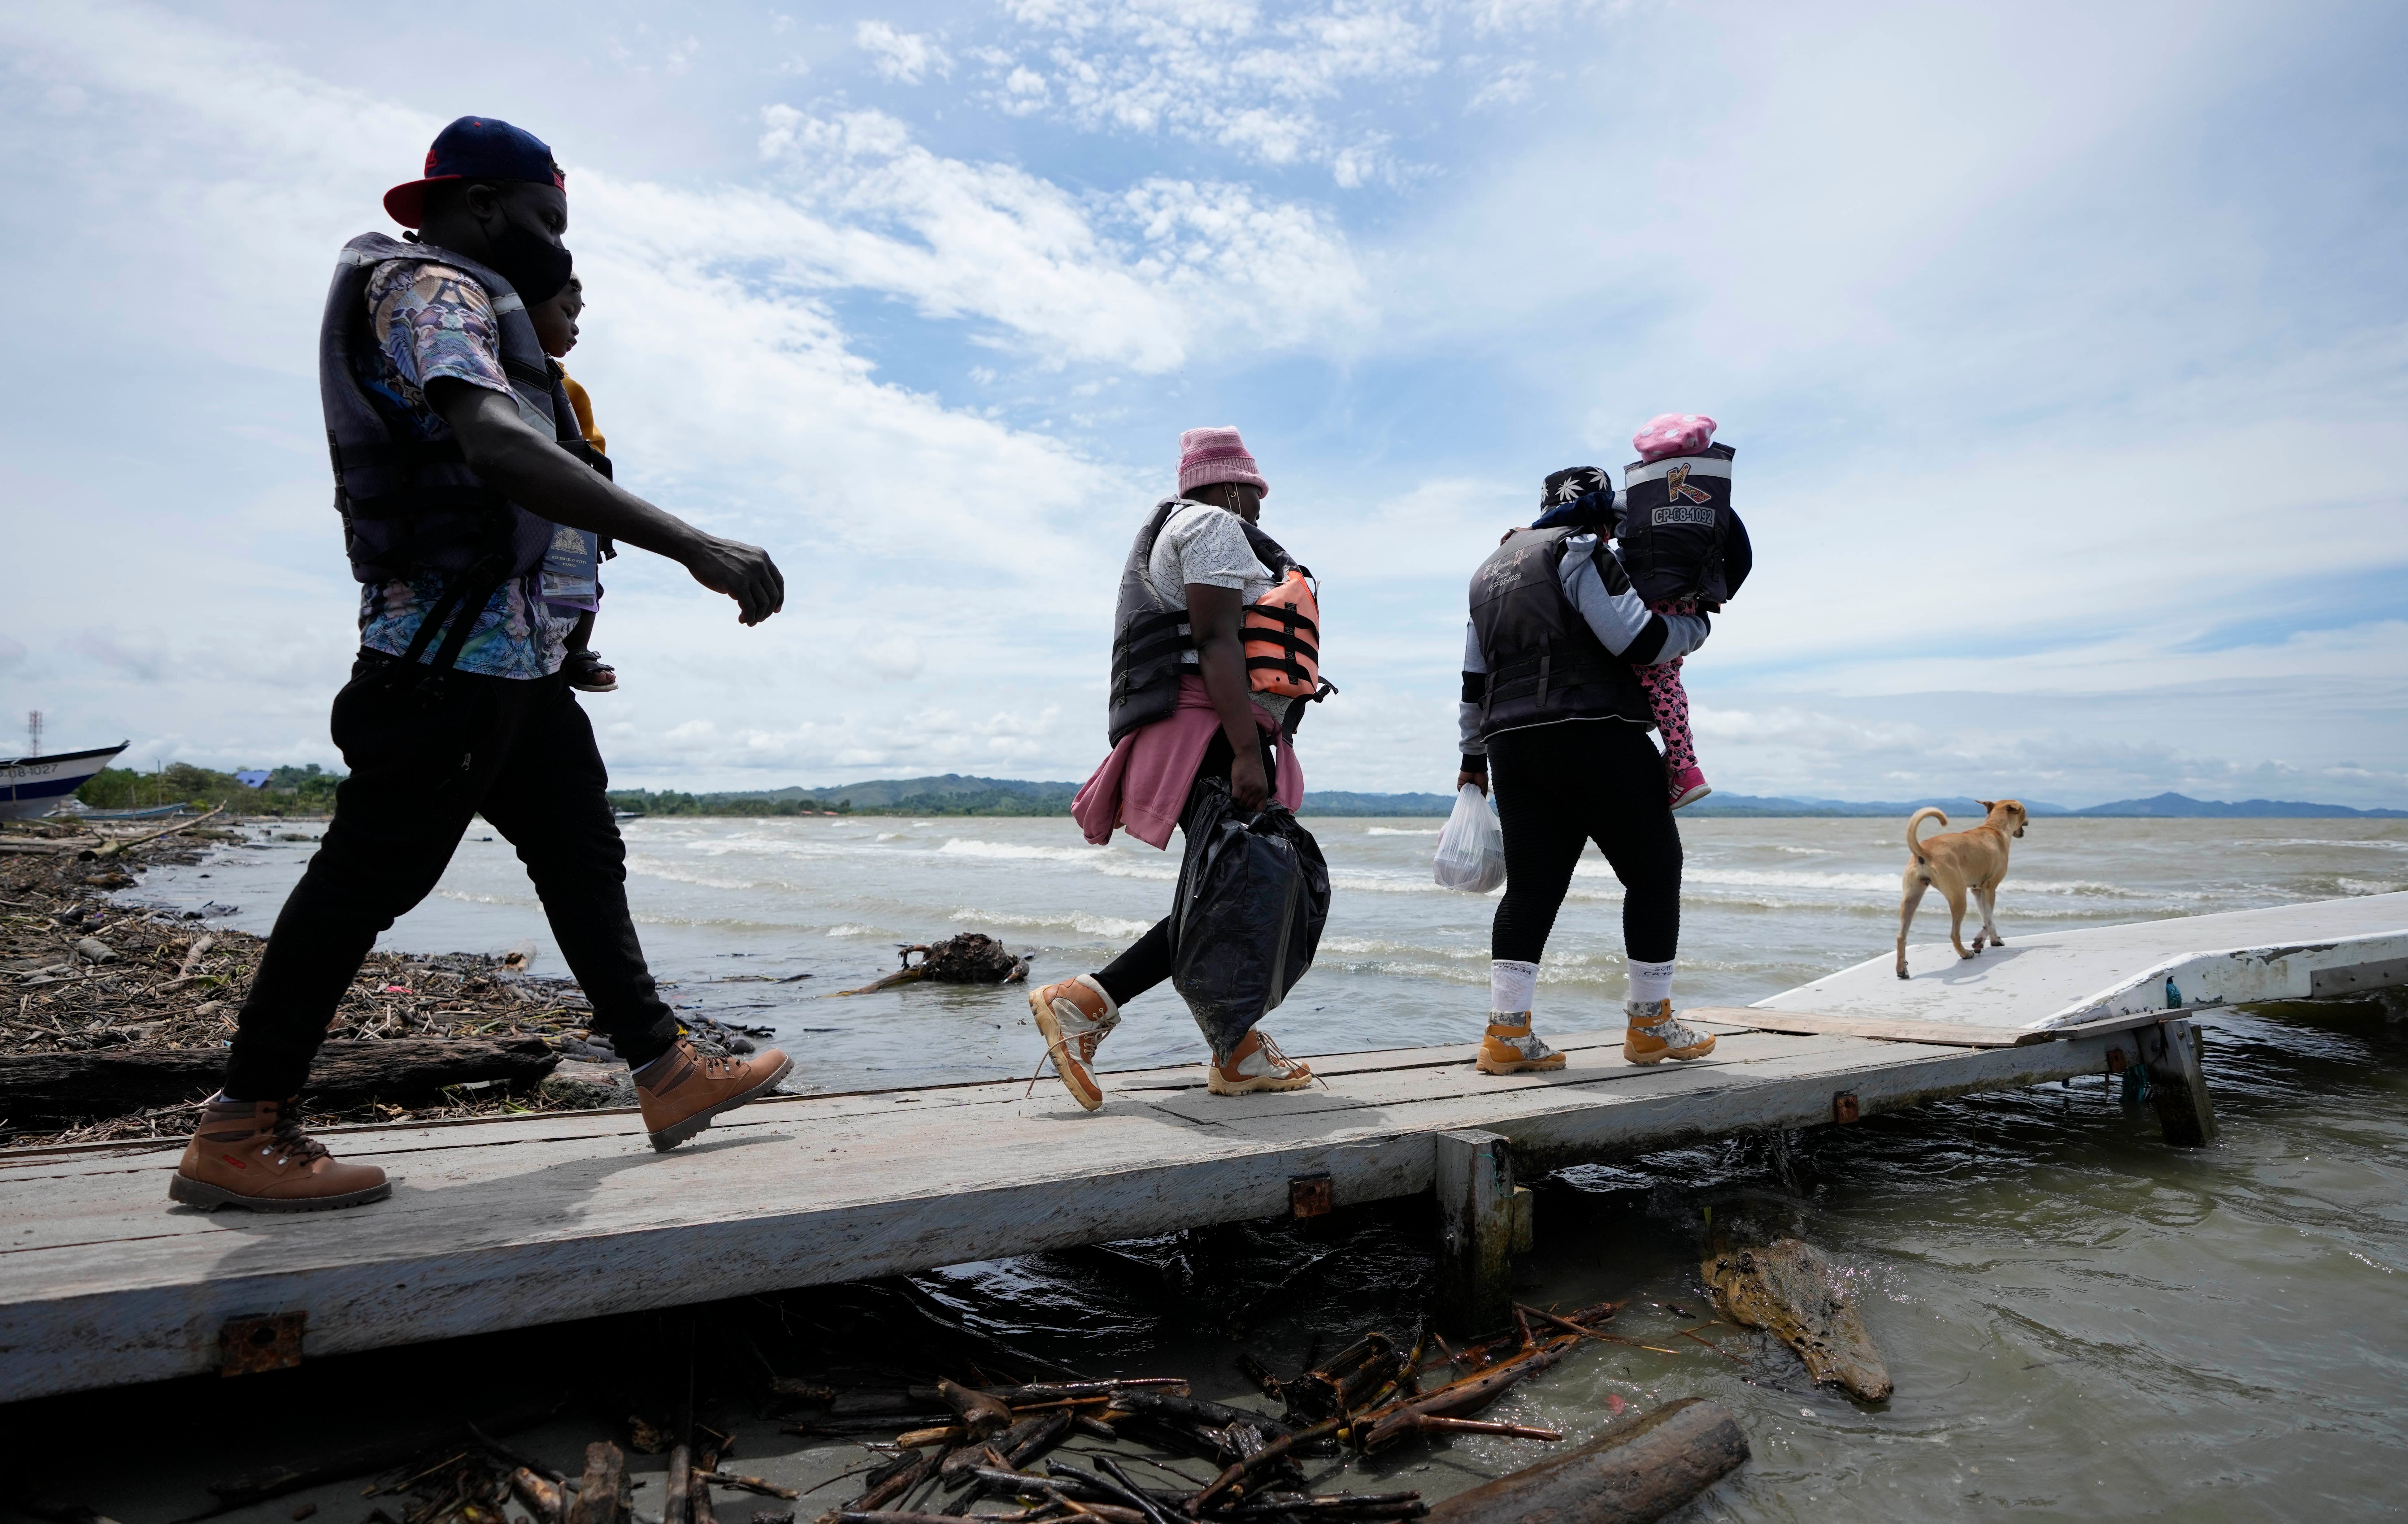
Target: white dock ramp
[(497, 1224)]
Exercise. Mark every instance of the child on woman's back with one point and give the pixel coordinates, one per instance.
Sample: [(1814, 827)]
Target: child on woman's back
[(580, 590), (1685, 550)]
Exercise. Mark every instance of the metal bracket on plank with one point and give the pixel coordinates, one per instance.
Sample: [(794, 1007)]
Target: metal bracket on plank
[(247, 1345), (1843, 1107), (1308, 1195)]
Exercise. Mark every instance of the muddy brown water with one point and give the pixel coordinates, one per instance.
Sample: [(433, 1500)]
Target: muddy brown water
[(2081, 1322)]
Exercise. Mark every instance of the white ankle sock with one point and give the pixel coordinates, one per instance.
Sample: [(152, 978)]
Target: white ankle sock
[(1511, 986), (1651, 982)]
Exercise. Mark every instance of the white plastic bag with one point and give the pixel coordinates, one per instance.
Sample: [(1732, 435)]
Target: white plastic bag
[(1471, 848)]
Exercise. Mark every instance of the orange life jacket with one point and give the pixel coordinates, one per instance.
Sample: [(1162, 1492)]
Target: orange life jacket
[(1283, 636)]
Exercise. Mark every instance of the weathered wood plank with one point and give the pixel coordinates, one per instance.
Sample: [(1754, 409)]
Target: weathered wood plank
[(1473, 1178), (500, 1223)]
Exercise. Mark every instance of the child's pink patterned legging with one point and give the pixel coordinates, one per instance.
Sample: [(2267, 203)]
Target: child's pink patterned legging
[(1671, 702)]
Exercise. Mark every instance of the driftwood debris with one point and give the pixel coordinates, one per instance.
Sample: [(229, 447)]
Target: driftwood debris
[(603, 1493), (1788, 1289), (52, 1090), (970, 958), (1639, 1470), (121, 847)]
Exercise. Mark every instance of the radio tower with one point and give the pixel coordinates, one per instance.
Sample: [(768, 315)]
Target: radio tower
[(34, 730)]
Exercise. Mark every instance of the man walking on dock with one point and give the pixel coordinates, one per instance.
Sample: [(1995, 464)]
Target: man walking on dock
[(458, 501)]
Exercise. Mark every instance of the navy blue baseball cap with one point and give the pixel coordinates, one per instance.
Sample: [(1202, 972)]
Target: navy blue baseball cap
[(475, 148)]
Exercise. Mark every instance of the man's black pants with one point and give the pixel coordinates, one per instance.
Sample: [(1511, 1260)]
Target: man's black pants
[(520, 753)]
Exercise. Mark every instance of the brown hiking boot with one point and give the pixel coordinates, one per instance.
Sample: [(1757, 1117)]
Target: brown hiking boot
[(681, 1090), (251, 1153), (1654, 1037)]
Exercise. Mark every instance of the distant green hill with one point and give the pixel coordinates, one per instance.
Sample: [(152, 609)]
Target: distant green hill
[(954, 793), (949, 794)]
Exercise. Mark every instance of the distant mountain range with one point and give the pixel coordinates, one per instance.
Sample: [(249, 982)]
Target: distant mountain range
[(953, 793)]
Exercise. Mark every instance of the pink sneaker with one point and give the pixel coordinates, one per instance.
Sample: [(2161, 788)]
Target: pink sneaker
[(1688, 787)]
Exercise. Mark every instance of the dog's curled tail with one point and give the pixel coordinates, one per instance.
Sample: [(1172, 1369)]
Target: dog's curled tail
[(1913, 846)]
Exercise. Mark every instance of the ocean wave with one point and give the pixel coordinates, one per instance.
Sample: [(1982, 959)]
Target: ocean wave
[(1104, 860), (1019, 851), (677, 872), (849, 930), (1113, 926), (1398, 831), (2378, 846), (2369, 886), (1364, 946), (1383, 883)]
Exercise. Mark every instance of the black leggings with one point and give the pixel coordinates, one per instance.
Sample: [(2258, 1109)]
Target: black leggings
[(1147, 962), (1560, 786)]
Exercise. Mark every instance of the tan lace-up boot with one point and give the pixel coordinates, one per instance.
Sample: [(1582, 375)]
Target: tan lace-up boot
[(1074, 1017), (1256, 1065), (681, 1090), (252, 1153), (1654, 1037), (1510, 1048)]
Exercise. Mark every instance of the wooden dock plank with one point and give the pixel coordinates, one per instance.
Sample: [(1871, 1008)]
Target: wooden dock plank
[(2062, 978), (505, 1222), (524, 1222)]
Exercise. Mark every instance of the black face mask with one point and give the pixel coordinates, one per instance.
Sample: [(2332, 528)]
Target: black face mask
[(535, 267)]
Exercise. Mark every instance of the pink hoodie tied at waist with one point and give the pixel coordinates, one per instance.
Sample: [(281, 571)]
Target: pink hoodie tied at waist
[(1143, 784)]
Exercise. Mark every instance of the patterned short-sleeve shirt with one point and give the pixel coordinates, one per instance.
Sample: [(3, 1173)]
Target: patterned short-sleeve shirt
[(430, 320)]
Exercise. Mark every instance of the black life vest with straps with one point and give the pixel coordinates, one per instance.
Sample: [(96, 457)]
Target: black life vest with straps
[(410, 505), (1151, 637), (1680, 536), (1544, 664)]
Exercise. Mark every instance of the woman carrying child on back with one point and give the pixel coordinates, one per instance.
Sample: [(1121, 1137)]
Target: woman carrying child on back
[(1569, 661), (1684, 549)]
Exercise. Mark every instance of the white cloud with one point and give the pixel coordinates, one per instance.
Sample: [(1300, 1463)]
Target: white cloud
[(1141, 278), (1226, 73), (906, 57)]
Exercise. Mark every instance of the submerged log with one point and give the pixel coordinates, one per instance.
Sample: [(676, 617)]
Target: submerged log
[(56, 1090), (1636, 1470), (1790, 1290)]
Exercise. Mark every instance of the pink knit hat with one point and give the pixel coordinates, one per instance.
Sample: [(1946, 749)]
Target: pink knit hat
[(1667, 435), (1210, 455)]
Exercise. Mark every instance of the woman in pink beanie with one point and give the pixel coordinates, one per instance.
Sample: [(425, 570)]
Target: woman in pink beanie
[(1189, 708)]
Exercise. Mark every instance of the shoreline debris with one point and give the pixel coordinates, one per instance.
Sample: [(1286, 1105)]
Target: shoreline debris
[(1791, 1291), (967, 958), (1639, 1469), (148, 999)]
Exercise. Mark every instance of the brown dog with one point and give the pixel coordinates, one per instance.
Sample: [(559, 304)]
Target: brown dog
[(1974, 859)]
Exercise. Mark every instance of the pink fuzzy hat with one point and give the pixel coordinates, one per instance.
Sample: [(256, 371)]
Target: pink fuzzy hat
[(1667, 435), (1210, 455)]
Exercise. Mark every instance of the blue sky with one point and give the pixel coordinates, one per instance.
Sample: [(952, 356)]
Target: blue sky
[(2062, 347)]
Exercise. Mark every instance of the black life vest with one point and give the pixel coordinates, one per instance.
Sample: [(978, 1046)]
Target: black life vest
[(410, 505), (1680, 536), (1544, 664), (1150, 636)]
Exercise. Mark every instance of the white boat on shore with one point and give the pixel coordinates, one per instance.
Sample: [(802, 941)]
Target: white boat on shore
[(33, 786)]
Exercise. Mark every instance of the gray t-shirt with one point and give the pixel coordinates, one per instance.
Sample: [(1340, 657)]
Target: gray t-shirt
[(1203, 544)]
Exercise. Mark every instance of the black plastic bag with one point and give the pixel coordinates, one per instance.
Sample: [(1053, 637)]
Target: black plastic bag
[(1253, 897)]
